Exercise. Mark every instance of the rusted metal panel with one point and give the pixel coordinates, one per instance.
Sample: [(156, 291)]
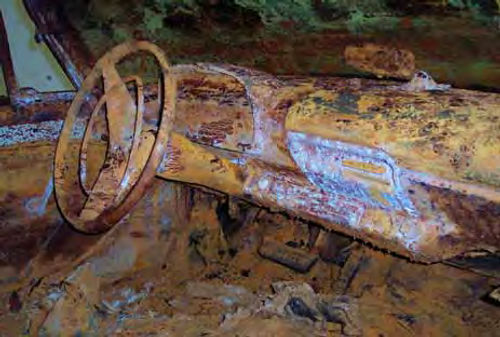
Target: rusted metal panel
[(213, 109), (28, 210)]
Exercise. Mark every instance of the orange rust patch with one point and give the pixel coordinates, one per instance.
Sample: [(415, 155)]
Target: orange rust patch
[(216, 131), (381, 60), (173, 164)]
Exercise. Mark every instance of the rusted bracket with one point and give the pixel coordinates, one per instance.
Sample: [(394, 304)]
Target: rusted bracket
[(70, 54), (30, 105)]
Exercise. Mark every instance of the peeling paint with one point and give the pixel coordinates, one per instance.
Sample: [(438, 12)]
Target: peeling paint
[(322, 161)]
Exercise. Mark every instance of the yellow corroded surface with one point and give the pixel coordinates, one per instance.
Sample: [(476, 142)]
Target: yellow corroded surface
[(192, 163), (453, 134), (364, 166)]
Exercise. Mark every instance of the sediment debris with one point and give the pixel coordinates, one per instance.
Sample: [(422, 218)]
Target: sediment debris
[(294, 258)]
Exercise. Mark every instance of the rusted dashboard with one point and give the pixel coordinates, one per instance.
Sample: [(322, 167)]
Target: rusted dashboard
[(413, 172)]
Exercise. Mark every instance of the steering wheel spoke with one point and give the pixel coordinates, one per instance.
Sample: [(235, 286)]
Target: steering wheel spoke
[(120, 110)]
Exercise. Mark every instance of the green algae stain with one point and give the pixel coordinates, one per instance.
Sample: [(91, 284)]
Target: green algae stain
[(295, 36), (359, 22), (484, 178), (153, 21), (345, 102)]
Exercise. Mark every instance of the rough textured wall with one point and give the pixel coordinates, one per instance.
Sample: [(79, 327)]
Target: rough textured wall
[(456, 41)]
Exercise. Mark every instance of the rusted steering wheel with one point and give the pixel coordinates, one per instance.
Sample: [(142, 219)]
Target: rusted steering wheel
[(132, 154)]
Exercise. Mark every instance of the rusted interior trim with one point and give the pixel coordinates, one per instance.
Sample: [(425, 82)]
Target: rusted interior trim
[(5, 59), (30, 105)]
